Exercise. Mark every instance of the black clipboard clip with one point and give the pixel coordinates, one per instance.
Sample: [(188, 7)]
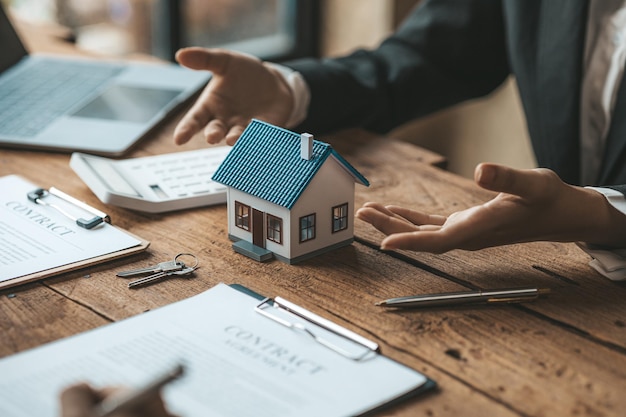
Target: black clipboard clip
[(365, 348), (37, 196)]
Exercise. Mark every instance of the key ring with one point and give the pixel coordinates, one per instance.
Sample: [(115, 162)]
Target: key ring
[(187, 254)]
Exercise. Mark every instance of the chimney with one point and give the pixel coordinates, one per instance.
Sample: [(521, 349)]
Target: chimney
[(306, 146)]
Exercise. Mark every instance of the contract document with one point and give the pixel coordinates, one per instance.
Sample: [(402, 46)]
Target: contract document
[(38, 240), (239, 362)]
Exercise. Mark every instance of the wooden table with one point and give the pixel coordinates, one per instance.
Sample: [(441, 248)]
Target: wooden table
[(564, 355)]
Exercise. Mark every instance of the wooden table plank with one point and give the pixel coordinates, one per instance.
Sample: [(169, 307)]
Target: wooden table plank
[(373, 150), (33, 314)]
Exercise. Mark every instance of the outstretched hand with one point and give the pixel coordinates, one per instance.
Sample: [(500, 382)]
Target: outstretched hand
[(242, 87), (532, 205)]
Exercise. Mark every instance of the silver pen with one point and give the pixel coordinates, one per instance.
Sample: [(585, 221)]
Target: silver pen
[(507, 295), (126, 401)]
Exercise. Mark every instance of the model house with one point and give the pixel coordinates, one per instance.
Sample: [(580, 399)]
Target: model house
[(289, 196)]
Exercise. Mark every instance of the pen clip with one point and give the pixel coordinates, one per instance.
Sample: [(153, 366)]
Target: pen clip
[(509, 300), (37, 196), (291, 309)]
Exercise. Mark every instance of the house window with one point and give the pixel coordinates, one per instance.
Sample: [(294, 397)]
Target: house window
[(275, 229), (242, 216), (307, 227), (340, 217)]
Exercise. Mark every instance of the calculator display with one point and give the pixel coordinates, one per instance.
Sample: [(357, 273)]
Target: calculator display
[(110, 177), (157, 183)]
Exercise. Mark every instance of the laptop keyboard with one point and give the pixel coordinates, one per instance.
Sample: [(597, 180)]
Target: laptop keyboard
[(33, 97)]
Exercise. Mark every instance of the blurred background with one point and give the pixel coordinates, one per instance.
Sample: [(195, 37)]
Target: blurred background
[(272, 29), (486, 129)]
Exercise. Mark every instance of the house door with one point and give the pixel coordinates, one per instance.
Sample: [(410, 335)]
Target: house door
[(258, 237)]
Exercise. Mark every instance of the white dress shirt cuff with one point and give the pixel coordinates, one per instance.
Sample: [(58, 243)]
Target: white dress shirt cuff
[(610, 263), (299, 90)]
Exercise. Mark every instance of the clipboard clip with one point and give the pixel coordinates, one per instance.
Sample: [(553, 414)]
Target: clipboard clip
[(37, 196), (366, 348)]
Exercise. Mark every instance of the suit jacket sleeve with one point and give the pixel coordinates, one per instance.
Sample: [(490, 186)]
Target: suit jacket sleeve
[(445, 52)]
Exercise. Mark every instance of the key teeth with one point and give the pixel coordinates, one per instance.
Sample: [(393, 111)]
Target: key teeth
[(146, 280), (161, 275)]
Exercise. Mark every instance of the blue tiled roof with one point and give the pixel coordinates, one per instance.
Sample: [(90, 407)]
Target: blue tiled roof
[(265, 162)]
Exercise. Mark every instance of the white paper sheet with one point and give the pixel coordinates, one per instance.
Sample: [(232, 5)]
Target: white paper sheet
[(239, 363), (35, 238)]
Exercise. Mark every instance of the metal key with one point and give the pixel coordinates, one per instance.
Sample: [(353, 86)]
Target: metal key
[(161, 275), (163, 267)]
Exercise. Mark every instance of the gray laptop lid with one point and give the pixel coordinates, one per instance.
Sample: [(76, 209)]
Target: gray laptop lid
[(108, 119)]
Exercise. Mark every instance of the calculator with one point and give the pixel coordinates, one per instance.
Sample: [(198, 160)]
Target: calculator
[(155, 184)]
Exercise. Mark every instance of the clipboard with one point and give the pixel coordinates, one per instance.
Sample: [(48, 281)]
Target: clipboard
[(240, 363), (26, 199), (370, 348)]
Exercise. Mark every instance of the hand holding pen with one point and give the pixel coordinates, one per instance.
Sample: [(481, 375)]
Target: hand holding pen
[(82, 400)]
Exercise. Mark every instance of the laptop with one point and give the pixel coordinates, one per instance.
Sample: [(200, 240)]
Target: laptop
[(70, 104)]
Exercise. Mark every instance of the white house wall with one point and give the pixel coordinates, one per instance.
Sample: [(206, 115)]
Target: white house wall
[(267, 208), (332, 186)]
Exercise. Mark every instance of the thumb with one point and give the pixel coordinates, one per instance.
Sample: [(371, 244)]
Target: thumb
[(214, 60), (522, 182), (78, 400)]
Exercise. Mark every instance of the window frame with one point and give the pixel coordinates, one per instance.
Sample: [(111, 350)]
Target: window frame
[(240, 217), (343, 216), (269, 218), (309, 227), (170, 36)]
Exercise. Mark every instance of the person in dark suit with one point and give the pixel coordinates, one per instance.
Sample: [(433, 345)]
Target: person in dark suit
[(448, 51)]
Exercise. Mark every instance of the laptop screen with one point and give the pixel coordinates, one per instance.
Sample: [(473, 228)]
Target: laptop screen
[(11, 48)]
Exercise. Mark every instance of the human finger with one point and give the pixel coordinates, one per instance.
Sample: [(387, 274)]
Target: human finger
[(112, 390), (417, 217), (526, 183), (192, 122), (387, 224), (151, 404), (427, 239), (412, 216), (234, 133), (215, 131), (78, 400), (214, 60), (377, 206)]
